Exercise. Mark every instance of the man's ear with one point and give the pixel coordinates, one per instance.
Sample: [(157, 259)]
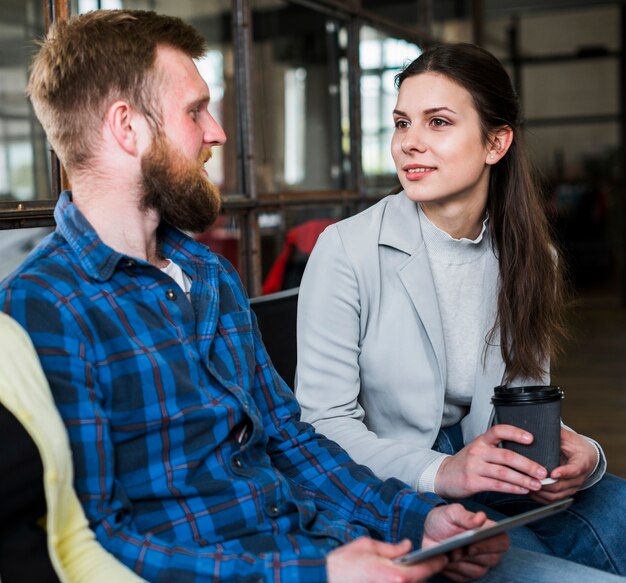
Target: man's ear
[(500, 141), (122, 121)]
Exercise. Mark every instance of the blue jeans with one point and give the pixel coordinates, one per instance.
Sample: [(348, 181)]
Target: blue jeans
[(521, 566), (592, 531)]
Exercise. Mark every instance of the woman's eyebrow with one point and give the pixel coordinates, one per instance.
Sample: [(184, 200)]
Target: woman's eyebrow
[(432, 110), (429, 111)]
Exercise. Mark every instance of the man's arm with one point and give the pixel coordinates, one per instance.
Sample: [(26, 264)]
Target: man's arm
[(389, 509), (59, 337)]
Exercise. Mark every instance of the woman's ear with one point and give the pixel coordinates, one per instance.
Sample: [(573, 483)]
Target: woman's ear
[(500, 141)]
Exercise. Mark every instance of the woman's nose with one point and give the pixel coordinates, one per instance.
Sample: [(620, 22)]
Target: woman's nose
[(413, 140)]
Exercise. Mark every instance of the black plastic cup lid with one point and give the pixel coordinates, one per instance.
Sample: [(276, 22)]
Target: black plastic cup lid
[(504, 395)]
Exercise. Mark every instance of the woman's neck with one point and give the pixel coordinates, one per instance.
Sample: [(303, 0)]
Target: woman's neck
[(462, 221)]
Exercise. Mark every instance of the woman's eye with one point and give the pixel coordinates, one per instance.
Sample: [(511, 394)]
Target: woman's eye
[(401, 124), (438, 122)]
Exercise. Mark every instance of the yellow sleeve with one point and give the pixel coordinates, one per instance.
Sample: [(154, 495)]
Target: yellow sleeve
[(75, 554)]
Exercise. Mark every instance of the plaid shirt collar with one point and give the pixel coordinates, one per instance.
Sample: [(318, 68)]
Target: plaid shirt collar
[(99, 260)]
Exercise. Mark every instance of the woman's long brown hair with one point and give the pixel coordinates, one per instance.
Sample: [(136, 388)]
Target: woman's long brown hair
[(531, 298)]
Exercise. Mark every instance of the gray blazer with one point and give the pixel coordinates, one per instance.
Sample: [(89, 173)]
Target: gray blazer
[(371, 357)]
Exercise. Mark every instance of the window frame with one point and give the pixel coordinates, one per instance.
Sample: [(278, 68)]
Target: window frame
[(247, 204)]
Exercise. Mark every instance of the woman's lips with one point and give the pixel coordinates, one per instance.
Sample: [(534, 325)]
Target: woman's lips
[(417, 172)]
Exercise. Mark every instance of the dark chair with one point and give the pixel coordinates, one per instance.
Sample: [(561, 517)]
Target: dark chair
[(23, 542), (276, 315)]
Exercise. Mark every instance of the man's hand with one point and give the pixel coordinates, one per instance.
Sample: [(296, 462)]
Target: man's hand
[(366, 560), (470, 562), (482, 466), (580, 458)]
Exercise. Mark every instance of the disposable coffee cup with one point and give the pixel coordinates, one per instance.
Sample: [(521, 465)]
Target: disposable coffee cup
[(536, 409)]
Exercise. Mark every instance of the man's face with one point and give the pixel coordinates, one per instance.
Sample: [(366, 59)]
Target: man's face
[(174, 180)]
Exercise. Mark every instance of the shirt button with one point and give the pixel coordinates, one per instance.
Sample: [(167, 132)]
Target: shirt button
[(130, 263), (237, 462), (170, 294), (272, 509)]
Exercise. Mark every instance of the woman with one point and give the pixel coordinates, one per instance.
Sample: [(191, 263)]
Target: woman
[(44, 535), (411, 312)]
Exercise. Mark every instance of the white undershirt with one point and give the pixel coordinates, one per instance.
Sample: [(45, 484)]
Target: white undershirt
[(179, 276), (465, 274), (459, 267)]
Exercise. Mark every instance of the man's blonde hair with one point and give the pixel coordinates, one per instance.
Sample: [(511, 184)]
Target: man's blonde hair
[(91, 60)]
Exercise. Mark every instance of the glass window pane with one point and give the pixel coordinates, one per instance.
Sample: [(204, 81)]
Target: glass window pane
[(301, 115), (381, 58), (571, 89), (594, 28), (24, 154)]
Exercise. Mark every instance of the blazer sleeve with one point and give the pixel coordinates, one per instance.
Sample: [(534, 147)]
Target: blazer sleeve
[(331, 311)]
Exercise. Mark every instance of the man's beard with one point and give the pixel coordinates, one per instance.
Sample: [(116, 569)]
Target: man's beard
[(177, 188)]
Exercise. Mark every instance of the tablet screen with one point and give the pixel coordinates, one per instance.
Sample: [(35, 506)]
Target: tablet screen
[(477, 534)]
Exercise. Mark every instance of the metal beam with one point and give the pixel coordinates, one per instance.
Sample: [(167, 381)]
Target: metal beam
[(621, 183)]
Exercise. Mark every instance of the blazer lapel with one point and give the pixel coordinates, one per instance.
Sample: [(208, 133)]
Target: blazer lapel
[(401, 230)]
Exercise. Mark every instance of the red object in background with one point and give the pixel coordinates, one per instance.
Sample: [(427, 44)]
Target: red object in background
[(300, 239)]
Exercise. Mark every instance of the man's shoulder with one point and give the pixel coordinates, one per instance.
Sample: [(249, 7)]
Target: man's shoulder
[(231, 285)]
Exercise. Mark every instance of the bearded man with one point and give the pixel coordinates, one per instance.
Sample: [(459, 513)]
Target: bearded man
[(191, 460)]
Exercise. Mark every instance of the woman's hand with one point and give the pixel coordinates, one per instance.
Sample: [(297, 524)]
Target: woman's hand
[(467, 563), (580, 458), (482, 466)]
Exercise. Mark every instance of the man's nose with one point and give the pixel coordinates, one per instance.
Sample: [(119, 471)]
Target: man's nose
[(214, 135)]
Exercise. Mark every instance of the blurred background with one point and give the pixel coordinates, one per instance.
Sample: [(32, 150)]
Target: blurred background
[(304, 90)]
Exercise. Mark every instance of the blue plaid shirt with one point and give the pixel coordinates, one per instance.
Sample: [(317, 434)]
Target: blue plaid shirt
[(190, 458)]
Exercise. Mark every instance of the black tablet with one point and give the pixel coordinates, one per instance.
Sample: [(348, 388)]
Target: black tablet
[(477, 534)]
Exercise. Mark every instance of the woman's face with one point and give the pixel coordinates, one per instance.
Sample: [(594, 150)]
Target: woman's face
[(438, 149)]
